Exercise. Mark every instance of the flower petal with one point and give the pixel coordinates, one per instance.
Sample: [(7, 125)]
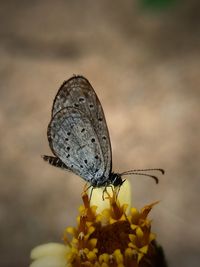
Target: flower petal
[(124, 197), (49, 261), (49, 249)]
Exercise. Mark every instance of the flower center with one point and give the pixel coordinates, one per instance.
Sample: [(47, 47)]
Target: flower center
[(111, 237)]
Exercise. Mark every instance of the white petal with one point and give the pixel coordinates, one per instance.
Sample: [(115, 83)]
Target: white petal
[(49, 249), (49, 261)]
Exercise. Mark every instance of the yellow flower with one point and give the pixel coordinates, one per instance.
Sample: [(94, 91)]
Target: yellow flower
[(108, 234)]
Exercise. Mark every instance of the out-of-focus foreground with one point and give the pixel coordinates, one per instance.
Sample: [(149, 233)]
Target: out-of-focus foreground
[(144, 65)]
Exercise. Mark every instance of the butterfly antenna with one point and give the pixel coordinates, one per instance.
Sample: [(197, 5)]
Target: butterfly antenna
[(144, 174), (143, 170)]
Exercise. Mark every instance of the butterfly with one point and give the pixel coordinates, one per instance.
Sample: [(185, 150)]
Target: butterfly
[(78, 136)]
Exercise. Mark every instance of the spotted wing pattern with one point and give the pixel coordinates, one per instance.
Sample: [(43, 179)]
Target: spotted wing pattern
[(77, 100)]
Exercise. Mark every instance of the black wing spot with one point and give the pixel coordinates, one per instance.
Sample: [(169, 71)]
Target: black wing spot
[(68, 133), (68, 155), (92, 140), (81, 166), (96, 157), (72, 166), (76, 105), (85, 161), (66, 139), (68, 148), (83, 130), (100, 119), (91, 105), (104, 137), (81, 99)]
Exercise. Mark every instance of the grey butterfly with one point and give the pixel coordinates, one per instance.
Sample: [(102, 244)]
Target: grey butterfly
[(78, 135)]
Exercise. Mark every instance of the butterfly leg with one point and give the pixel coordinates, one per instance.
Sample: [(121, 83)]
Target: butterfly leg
[(106, 191), (86, 188), (91, 193), (117, 189)]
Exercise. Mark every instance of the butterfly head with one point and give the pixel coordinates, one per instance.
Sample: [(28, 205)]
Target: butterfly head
[(116, 179)]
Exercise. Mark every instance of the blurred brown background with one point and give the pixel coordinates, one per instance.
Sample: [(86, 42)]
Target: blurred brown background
[(144, 64)]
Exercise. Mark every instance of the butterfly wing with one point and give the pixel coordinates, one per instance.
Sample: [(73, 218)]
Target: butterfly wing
[(73, 140), (77, 92)]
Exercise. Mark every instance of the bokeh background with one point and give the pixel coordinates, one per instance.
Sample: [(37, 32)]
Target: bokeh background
[(143, 59)]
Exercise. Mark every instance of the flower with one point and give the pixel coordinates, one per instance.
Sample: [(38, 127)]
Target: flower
[(49, 255), (111, 236)]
